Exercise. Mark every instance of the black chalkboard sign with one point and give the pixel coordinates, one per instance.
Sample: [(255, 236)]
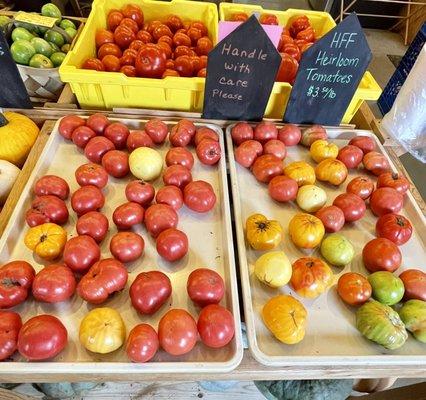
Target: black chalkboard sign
[(328, 75), (12, 92), (241, 71)]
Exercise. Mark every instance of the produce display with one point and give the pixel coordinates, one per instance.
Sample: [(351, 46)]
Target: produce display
[(121, 239)]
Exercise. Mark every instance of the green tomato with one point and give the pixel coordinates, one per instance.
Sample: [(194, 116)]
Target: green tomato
[(42, 30), (27, 26), (413, 315), (4, 20), (66, 23), (40, 61), (22, 51), (42, 47), (54, 37), (51, 10), (387, 288), (21, 34), (66, 48), (381, 324), (337, 250), (54, 47), (71, 32), (57, 58)]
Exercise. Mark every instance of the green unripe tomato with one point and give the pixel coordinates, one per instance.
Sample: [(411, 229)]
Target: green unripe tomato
[(337, 250), (387, 288)]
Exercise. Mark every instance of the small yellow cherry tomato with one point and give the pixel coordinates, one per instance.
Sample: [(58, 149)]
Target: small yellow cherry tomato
[(46, 240), (321, 150), (301, 172), (262, 233)]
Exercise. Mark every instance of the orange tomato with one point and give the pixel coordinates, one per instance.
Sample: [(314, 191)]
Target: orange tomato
[(354, 288), (301, 172), (331, 171), (306, 231), (262, 233), (46, 240)]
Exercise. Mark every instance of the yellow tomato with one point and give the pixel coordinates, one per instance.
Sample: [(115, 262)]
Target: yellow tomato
[(321, 150), (285, 317), (102, 330), (311, 198), (262, 233), (306, 231), (331, 171), (301, 172), (273, 269), (46, 240)]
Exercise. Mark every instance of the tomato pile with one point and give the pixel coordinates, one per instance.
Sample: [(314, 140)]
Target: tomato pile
[(154, 49), (263, 149), (80, 268)]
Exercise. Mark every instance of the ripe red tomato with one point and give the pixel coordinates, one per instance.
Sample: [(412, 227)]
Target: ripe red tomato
[(127, 246), (117, 133), (205, 286), (10, 325), (116, 163), (103, 36), (353, 206), (247, 152), (414, 283), (177, 332), (98, 122), (170, 195), (332, 218), (292, 50), (16, 278), (134, 12), (149, 291), (129, 23), (181, 39), (127, 60), (177, 175), (150, 62), (87, 198), (266, 167), (127, 215), (381, 254), (199, 25), (282, 188), (161, 30), (151, 26), (288, 69), (111, 63), (68, 124), (209, 152), (394, 227), (52, 185), (307, 34), (144, 36), (183, 65), (166, 39), (186, 125), (199, 196), (97, 147), (174, 22), (265, 131), (142, 343), (350, 155), (361, 186), (241, 132), (160, 217), (170, 72), (202, 73), (194, 34), (47, 209), (268, 19), (82, 135), (276, 148), (54, 283), (140, 192), (290, 134), (394, 181), (299, 24), (114, 18), (205, 133), (93, 224), (180, 156), (239, 17), (204, 46), (109, 49), (284, 40), (123, 36), (93, 63), (172, 244), (386, 200), (135, 45), (42, 337), (216, 326), (91, 174), (354, 289), (104, 278), (81, 252), (179, 137), (138, 139), (376, 163), (157, 130), (365, 143), (313, 133)]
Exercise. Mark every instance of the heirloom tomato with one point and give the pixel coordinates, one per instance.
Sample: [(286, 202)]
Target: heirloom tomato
[(93, 63), (332, 218), (127, 215), (331, 171), (170, 195), (365, 143), (172, 244), (321, 150), (160, 217), (98, 122), (273, 269), (312, 134), (97, 147), (241, 132), (215, 326), (265, 131), (263, 233), (82, 135), (381, 254), (87, 198), (138, 139), (350, 155), (81, 252), (177, 175), (180, 156), (52, 185), (268, 19), (337, 250), (68, 124), (204, 46), (157, 130), (142, 343), (282, 188), (103, 36), (116, 163), (150, 62), (208, 151), (301, 172), (109, 49), (133, 12), (311, 198), (47, 209), (288, 68), (394, 227), (111, 63), (413, 315), (10, 325), (306, 231), (394, 181), (117, 133), (414, 283), (386, 200), (126, 246), (276, 148), (205, 133), (376, 163), (387, 288), (93, 224), (46, 240), (140, 192), (267, 167), (114, 18), (247, 152), (353, 206), (299, 24), (205, 286), (290, 134), (361, 186), (199, 196), (354, 289), (240, 17)]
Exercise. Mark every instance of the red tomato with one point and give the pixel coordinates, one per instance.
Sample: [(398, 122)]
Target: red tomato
[(365, 143), (109, 49), (47, 209), (177, 175), (284, 40), (354, 289), (136, 45), (128, 58), (116, 163), (117, 133), (276, 148), (266, 167), (353, 206), (54, 283), (68, 124), (170, 195), (138, 139), (98, 122), (82, 135), (216, 326), (199, 25), (167, 50), (386, 200), (93, 63), (180, 156), (205, 286), (204, 46), (265, 131), (81, 252), (182, 51), (16, 278), (149, 291), (202, 73), (87, 198), (111, 63), (288, 69), (307, 34), (313, 133), (381, 254), (186, 125), (194, 34), (183, 65), (205, 133), (128, 70), (414, 283), (134, 12), (290, 134), (142, 343), (140, 192), (376, 163), (150, 62), (172, 244), (144, 36), (160, 217), (181, 39), (129, 23), (157, 130), (93, 224), (203, 60), (152, 25), (104, 278), (332, 218), (161, 30), (10, 325), (128, 215), (299, 24), (268, 19), (394, 227), (177, 332), (282, 188), (91, 174), (300, 43), (170, 64), (97, 147), (361, 186), (127, 246), (241, 132), (199, 196), (179, 137), (394, 181), (123, 36), (247, 152), (52, 185), (292, 50), (240, 17), (174, 22), (350, 155), (114, 18), (209, 152), (42, 337)]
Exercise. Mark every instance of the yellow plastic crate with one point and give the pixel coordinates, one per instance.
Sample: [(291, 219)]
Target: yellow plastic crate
[(95, 89), (322, 22)]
